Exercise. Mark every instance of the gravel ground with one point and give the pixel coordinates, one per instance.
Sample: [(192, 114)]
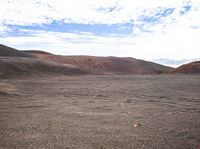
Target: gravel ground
[(101, 112)]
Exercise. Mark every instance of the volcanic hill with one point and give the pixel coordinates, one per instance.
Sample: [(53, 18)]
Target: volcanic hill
[(190, 68), (14, 63), (105, 65), (11, 52)]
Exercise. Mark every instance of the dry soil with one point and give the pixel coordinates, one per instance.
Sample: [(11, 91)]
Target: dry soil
[(100, 112)]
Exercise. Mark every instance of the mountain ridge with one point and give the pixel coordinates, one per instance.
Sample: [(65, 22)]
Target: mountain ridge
[(15, 61), (106, 65)]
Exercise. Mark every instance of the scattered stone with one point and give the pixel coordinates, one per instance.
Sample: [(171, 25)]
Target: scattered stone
[(136, 125)]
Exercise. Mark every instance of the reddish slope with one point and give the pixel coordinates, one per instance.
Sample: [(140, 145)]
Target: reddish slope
[(106, 65), (191, 68)]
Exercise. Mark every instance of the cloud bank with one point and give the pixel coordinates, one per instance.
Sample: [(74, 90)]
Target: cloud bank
[(141, 29)]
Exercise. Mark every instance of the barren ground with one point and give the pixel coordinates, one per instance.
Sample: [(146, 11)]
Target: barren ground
[(99, 112)]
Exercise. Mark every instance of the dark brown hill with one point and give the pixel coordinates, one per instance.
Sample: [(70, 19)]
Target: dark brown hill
[(106, 65), (14, 63), (25, 67), (36, 52), (191, 68), (37, 61), (11, 52)]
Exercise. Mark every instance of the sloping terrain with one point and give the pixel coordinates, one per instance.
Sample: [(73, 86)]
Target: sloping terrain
[(11, 52), (14, 63), (106, 65), (191, 68), (17, 66)]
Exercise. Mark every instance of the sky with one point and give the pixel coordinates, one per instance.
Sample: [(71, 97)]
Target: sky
[(143, 29)]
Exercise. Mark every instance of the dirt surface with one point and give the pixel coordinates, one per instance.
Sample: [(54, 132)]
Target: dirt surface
[(101, 112)]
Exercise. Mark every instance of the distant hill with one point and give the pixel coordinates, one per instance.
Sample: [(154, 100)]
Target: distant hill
[(174, 63), (11, 52), (31, 52), (14, 63), (24, 67), (106, 65), (191, 68)]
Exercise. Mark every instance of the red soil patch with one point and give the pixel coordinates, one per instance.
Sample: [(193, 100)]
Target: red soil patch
[(191, 68)]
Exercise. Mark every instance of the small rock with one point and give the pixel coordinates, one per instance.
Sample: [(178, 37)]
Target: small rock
[(136, 125)]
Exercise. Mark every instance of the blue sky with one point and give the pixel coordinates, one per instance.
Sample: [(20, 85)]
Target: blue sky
[(141, 29), (60, 26)]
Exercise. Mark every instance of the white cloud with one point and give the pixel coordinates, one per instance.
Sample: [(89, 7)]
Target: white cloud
[(174, 36), (3, 29), (23, 12), (174, 44), (70, 44)]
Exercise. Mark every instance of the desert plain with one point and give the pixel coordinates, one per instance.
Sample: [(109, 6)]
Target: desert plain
[(100, 112)]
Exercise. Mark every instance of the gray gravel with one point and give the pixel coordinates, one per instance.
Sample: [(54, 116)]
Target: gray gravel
[(101, 112)]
